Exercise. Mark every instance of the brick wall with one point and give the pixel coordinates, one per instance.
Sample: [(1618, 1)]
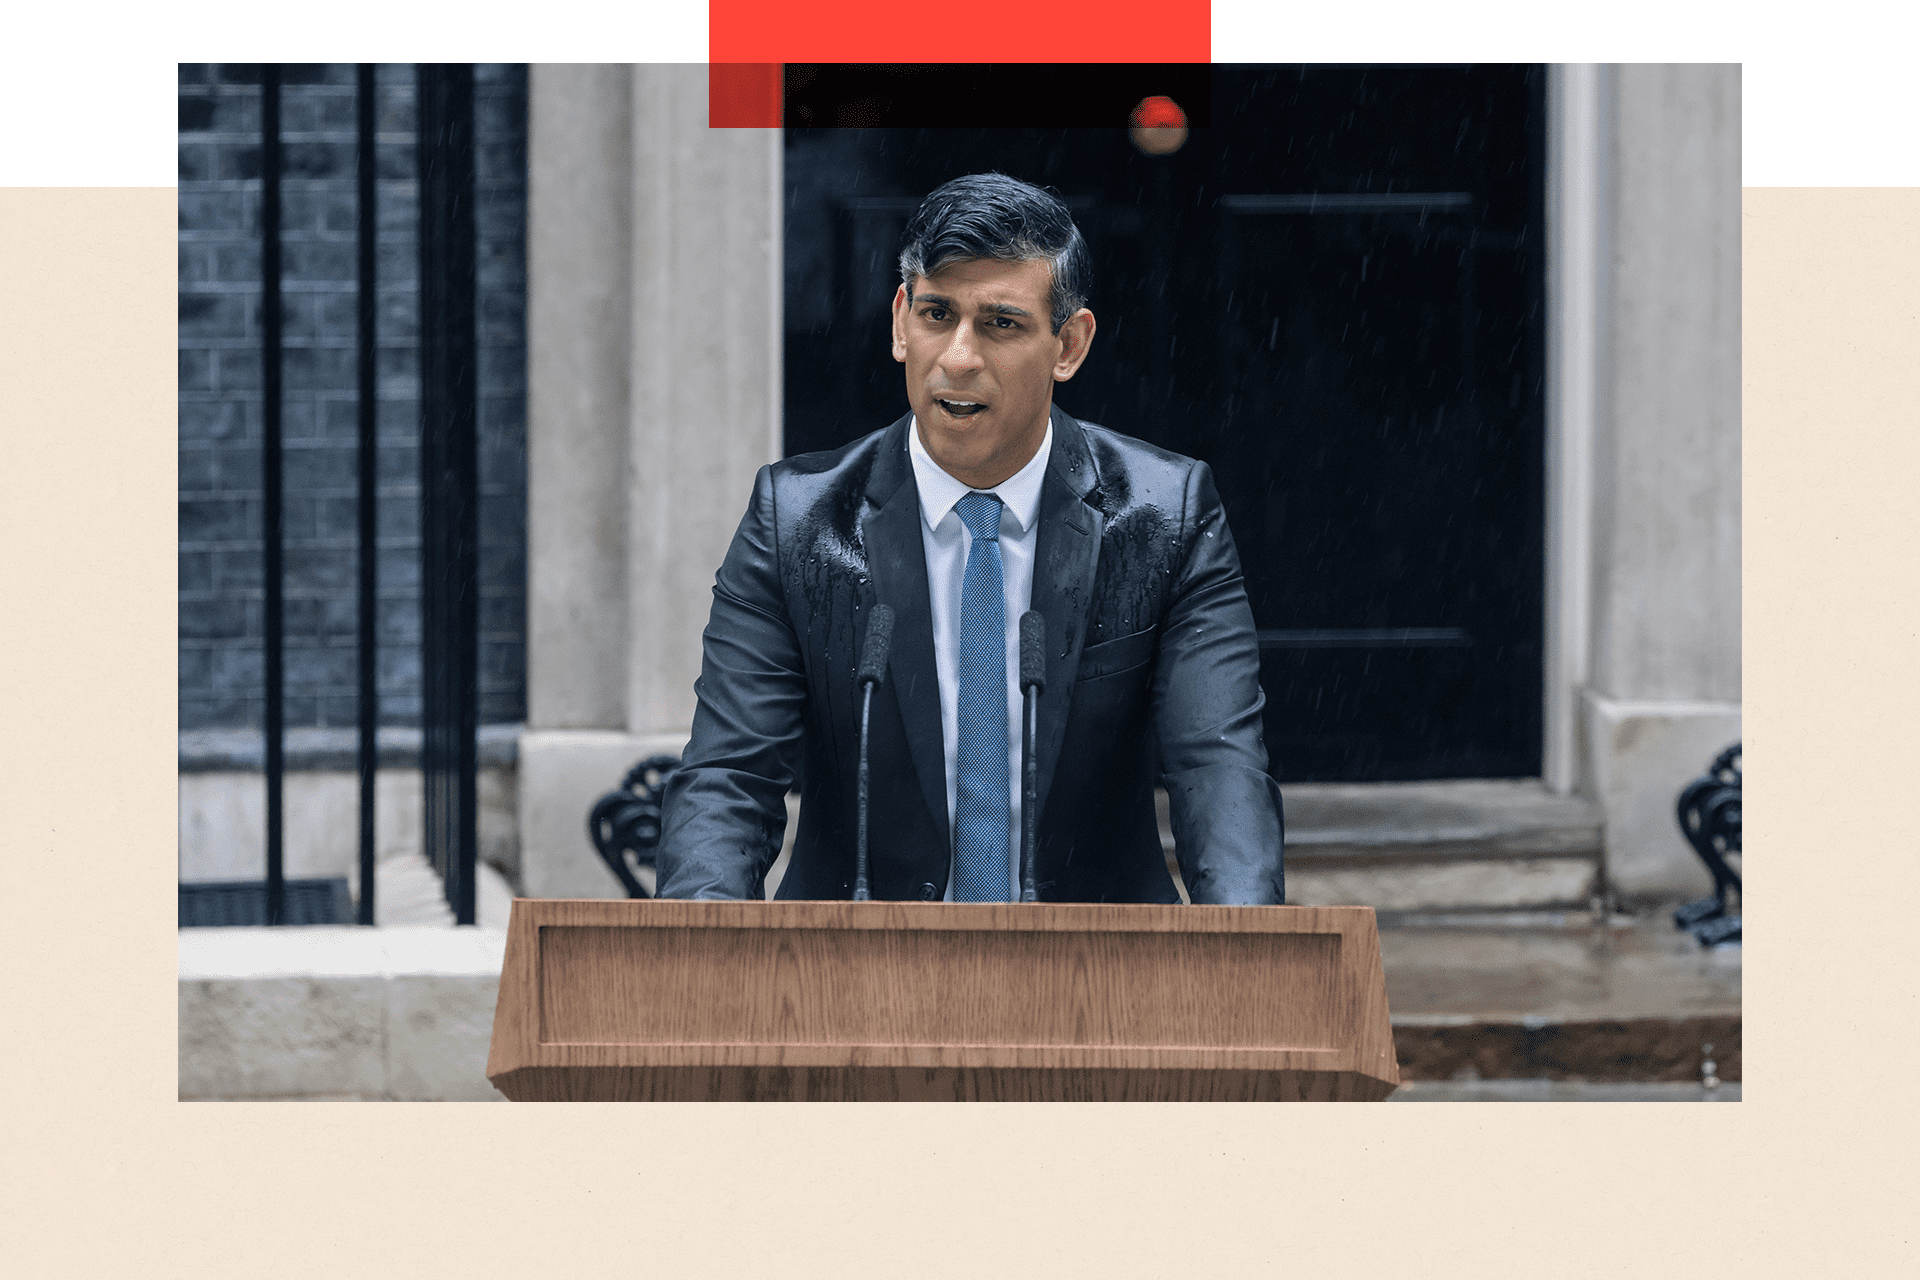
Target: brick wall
[(221, 547)]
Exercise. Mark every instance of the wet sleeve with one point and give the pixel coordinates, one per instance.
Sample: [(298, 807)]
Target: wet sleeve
[(725, 806), (1207, 704)]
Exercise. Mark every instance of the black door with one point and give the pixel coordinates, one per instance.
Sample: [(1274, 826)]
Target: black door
[(1332, 293)]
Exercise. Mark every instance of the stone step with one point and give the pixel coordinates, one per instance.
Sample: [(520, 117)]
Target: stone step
[(1456, 844), (1543, 1089), (1429, 822), (408, 891), (338, 1012), (1623, 1049)]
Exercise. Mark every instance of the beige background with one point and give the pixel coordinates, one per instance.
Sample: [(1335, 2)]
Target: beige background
[(106, 1173)]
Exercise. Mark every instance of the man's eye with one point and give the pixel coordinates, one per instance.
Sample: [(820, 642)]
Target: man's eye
[(935, 313)]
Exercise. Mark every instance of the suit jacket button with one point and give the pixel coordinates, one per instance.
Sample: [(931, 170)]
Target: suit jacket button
[(929, 891)]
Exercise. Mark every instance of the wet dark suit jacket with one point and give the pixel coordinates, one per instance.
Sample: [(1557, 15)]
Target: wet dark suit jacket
[(1149, 641)]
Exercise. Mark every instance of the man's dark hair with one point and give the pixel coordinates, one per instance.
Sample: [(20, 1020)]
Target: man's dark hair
[(989, 215)]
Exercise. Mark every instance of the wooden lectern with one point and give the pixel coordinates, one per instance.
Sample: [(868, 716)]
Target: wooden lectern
[(1050, 1002)]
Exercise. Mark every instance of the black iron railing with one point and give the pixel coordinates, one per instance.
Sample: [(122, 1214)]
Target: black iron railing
[(273, 525), (366, 313), (449, 515), (624, 824), (449, 481), (1709, 814)]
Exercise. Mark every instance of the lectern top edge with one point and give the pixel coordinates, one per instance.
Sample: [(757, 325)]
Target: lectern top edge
[(998, 916)]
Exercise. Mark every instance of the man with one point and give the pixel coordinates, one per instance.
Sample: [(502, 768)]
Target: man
[(982, 502)]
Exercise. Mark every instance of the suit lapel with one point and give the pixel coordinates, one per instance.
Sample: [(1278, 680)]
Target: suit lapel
[(1065, 558), (898, 560)]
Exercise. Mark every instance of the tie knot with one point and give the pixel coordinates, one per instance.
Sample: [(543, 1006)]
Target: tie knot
[(980, 512)]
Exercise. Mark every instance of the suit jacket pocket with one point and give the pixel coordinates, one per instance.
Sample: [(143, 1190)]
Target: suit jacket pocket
[(1112, 657)]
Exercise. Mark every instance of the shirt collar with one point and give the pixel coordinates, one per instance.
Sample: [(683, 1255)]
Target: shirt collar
[(1019, 493)]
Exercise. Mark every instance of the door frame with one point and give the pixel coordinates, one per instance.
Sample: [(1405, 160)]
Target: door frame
[(1576, 240)]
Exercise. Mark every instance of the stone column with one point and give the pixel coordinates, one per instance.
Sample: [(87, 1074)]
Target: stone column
[(1664, 683), (653, 284), (579, 300)]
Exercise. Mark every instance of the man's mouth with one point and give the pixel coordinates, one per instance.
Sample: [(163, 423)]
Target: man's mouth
[(958, 408)]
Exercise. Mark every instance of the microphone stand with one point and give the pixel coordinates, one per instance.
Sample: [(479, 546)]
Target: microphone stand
[(873, 665), (861, 893), (1033, 681)]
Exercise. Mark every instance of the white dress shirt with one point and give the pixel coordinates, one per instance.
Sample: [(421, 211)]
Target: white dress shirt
[(946, 540)]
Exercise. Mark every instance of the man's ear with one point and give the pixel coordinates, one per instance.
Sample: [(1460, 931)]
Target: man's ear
[(900, 307), (1076, 339)]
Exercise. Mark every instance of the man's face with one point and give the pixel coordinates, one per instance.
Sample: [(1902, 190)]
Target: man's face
[(981, 359)]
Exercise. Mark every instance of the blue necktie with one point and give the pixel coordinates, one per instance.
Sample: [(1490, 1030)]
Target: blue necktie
[(982, 812)]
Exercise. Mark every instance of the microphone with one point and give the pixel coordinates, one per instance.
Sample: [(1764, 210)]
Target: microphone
[(873, 668), (1033, 682), (1033, 651), (873, 658)]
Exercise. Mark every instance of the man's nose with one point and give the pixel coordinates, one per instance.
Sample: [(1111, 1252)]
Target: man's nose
[(962, 352)]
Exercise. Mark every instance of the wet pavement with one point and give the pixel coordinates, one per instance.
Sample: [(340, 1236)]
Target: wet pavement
[(1543, 996)]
